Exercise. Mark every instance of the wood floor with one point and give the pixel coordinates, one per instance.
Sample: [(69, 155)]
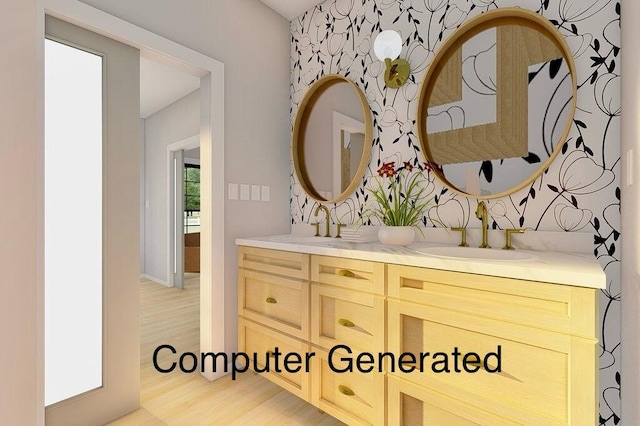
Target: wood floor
[(170, 316)]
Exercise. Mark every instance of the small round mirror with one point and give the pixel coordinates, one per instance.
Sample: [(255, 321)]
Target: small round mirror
[(497, 103), (332, 139)]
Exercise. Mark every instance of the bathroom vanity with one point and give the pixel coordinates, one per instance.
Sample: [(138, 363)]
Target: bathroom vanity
[(346, 302)]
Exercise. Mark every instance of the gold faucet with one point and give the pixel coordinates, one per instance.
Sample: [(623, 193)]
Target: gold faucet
[(508, 232), (327, 233), (481, 213)]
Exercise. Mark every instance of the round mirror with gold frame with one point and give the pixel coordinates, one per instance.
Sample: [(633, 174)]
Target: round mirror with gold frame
[(331, 139), (497, 103)]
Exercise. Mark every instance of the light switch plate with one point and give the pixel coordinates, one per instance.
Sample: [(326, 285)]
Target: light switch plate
[(266, 193), (233, 191), (255, 192), (244, 191)]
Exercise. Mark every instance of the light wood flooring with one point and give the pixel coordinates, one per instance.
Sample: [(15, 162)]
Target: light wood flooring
[(170, 316)]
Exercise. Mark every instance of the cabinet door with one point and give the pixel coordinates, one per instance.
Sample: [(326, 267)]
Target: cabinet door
[(540, 377), (353, 397), (262, 341), (352, 274), (560, 308), (344, 317), (274, 301), (412, 405), (285, 263)]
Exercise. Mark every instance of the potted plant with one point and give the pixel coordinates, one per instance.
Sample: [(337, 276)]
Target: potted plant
[(400, 202)]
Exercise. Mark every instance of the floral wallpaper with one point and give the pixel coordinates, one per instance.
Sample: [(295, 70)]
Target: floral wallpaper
[(579, 192)]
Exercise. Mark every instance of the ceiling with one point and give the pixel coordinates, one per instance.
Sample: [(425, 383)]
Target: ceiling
[(161, 86), (291, 9)]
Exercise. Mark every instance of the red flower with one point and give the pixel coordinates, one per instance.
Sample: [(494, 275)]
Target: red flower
[(407, 166), (387, 170)]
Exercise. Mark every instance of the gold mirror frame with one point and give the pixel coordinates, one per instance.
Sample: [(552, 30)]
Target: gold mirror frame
[(298, 136), (487, 20)]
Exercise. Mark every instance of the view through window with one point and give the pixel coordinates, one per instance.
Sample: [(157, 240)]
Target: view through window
[(191, 198)]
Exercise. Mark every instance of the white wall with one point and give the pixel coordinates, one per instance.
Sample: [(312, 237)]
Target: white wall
[(142, 209), (630, 226), (253, 43), (21, 218), (174, 123)]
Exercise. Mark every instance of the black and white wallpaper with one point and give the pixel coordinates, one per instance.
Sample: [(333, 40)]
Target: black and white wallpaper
[(580, 192)]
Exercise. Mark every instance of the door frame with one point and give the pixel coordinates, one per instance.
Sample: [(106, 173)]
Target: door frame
[(184, 144), (211, 74)]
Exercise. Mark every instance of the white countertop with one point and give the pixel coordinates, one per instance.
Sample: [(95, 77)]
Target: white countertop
[(577, 269)]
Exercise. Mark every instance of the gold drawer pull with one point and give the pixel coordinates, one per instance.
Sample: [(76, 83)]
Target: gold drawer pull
[(478, 364), (346, 323), (346, 273), (345, 390), (271, 300)]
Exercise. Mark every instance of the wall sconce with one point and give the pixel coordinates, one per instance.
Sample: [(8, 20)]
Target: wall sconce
[(387, 47)]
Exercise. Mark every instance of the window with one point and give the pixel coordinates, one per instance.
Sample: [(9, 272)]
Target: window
[(191, 198)]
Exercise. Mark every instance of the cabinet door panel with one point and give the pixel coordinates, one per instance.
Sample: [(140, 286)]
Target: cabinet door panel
[(412, 405), (353, 397), (277, 302), (288, 264), (343, 317), (561, 308), (540, 371), (254, 338), (349, 273)]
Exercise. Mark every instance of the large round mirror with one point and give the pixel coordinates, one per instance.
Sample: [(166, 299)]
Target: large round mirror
[(497, 103), (332, 139)]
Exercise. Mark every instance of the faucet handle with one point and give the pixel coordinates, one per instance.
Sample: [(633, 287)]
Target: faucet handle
[(508, 232), (463, 232), (317, 226), (339, 226)]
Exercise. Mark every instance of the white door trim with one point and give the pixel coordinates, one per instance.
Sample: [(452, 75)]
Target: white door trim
[(211, 74), (185, 144)]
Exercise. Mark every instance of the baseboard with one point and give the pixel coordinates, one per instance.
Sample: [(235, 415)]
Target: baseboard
[(155, 280)]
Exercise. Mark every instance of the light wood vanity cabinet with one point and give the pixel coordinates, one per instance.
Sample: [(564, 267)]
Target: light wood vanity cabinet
[(546, 335)]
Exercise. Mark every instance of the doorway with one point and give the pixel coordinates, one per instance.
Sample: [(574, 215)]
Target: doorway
[(183, 209)]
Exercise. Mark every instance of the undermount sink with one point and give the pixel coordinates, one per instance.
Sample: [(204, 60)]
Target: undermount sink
[(475, 253)]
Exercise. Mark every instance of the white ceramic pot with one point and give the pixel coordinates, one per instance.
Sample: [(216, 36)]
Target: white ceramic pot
[(396, 235)]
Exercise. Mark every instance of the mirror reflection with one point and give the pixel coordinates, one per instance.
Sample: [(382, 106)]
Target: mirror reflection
[(498, 104), (331, 137)]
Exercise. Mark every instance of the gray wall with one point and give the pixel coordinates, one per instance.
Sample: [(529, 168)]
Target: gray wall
[(253, 43), (174, 123)]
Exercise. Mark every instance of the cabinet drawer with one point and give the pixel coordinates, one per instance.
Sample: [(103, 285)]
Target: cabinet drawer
[(347, 317), (544, 377), (352, 397), (349, 273), (413, 405), (288, 264), (565, 309), (254, 338), (275, 301)]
